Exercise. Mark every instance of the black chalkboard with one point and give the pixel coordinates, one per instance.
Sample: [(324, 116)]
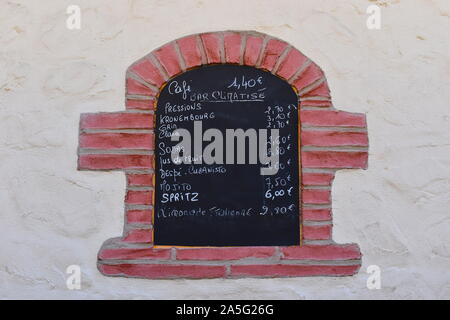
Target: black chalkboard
[(226, 204)]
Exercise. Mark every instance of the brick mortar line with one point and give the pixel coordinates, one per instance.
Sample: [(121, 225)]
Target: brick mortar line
[(262, 52), (129, 207), (316, 206), (132, 204), (180, 56), (118, 243), (319, 170), (310, 87), (201, 48), (155, 61), (223, 58), (173, 254), (137, 111), (130, 74), (315, 98), (138, 226), (93, 151), (330, 221), (139, 172), (129, 131), (225, 276), (281, 59), (319, 242), (335, 148), (140, 97), (314, 223), (328, 108), (146, 151), (299, 72), (325, 204), (139, 188), (278, 253), (227, 271), (317, 187), (315, 108), (243, 47), (331, 128)]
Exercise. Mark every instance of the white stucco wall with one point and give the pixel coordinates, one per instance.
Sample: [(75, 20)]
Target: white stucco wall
[(53, 216)]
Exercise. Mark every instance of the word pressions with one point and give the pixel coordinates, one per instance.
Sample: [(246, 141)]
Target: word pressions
[(227, 167)]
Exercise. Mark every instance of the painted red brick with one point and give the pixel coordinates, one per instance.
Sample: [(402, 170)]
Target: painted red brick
[(317, 179), (316, 196), (148, 72), (316, 214), (164, 271), (168, 58), (232, 44), (329, 252), (139, 236), (252, 50), (291, 64), (225, 253), (211, 43), (114, 161), (333, 138), (317, 232), (334, 159), (321, 91), (139, 216), (116, 120), (134, 87), (274, 49), (117, 140), (311, 74), (292, 270), (316, 103), (134, 104), (139, 197), (190, 51), (134, 254), (142, 180), (332, 118)]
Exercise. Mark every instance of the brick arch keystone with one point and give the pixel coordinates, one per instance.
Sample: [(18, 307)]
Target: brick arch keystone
[(330, 140)]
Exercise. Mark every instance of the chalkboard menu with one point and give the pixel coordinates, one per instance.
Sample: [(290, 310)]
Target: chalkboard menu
[(216, 128)]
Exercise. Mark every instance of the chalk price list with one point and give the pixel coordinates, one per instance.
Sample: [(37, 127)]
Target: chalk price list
[(280, 193)]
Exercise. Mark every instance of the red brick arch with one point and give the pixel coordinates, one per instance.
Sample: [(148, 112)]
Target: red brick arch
[(330, 140)]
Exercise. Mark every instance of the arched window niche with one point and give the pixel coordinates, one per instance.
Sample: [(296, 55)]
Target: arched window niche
[(324, 140)]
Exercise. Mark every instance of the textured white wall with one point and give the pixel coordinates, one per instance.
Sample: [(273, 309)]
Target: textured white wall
[(53, 216)]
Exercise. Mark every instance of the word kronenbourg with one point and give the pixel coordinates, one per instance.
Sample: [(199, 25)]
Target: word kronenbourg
[(213, 153)]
